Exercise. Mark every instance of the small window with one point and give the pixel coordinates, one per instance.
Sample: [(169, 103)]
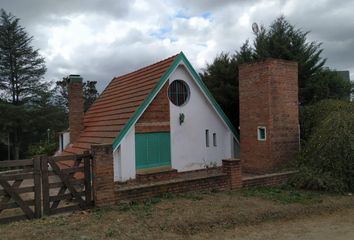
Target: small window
[(207, 138), (178, 92), (214, 139), (261, 133)]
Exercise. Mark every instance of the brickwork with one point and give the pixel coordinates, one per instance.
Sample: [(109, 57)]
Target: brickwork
[(232, 167), (268, 98), (229, 176), (156, 118), (144, 191), (267, 179), (76, 110), (102, 171)]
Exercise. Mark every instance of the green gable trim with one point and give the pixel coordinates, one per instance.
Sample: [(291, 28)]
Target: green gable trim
[(207, 93), (154, 92)]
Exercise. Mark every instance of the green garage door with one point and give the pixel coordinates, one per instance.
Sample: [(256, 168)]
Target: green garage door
[(152, 150)]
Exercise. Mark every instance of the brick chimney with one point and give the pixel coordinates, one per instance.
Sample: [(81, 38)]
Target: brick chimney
[(269, 121), (76, 107)]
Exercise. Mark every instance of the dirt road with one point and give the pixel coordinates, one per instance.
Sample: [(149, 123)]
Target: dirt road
[(336, 226)]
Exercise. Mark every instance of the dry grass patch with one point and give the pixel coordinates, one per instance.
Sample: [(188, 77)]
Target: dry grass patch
[(179, 217)]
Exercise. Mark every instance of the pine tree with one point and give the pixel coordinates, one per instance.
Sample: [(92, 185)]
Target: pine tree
[(21, 71)]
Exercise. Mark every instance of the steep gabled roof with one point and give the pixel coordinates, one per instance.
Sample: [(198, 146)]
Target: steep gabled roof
[(179, 59), (106, 118), (126, 97)]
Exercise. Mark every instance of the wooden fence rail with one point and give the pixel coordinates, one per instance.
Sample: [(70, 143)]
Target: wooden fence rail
[(20, 191), (44, 184)]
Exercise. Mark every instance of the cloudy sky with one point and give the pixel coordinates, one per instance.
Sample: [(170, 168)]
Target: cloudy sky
[(107, 38)]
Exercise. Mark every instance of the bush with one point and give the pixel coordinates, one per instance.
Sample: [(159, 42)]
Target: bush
[(43, 149), (311, 116), (326, 161)]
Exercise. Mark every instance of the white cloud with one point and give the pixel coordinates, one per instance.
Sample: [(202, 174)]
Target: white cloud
[(102, 40)]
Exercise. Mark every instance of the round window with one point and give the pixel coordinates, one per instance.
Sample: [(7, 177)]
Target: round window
[(178, 92)]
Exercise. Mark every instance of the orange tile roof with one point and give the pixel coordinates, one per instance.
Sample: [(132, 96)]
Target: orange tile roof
[(116, 105)]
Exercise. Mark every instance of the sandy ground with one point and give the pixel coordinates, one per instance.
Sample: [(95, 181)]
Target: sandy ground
[(335, 226)]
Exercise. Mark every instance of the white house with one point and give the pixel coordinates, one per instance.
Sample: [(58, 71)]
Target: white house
[(157, 118)]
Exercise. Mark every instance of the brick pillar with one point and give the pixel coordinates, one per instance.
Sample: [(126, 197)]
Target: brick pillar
[(232, 167), (76, 107), (269, 120), (102, 171)]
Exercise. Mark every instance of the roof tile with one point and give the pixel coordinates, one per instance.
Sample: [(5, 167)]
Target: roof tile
[(117, 104)]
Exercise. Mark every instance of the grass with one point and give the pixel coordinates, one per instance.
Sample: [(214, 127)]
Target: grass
[(180, 216), (284, 194)]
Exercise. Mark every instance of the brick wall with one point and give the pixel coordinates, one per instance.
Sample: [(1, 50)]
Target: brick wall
[(229, 177), (267, 179), (76, 109), (156, 118), (108, 192), (232, 167), (141, 192), (102, 175), (269, 98)]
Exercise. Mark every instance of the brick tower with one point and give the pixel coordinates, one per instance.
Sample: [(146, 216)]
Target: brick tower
[(269, 121)]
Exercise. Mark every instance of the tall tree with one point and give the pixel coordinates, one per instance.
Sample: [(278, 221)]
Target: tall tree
[(21, 66), (281, 40), (21, 71)]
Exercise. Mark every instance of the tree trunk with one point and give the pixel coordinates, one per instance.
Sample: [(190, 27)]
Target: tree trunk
[(16, 145), (16, 152)]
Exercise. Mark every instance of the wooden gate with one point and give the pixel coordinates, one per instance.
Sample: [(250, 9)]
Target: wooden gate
[(20, 189), (54, 184), (66, 183)]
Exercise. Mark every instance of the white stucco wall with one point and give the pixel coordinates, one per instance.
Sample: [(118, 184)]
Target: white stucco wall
[(66, 141), (124, 158), (188, 144), (188, 147)]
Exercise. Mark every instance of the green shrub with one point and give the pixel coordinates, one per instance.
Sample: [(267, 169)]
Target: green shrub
[(326, 161), (44, 148), (311, 116)]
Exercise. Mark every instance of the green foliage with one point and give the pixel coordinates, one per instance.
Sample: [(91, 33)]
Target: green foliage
[(21, 89), (21, 67), (90, 94), (326, 162), (43, 149), (311, 116), (220, 77), (281, 40), (33, 124), (326, 84)]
